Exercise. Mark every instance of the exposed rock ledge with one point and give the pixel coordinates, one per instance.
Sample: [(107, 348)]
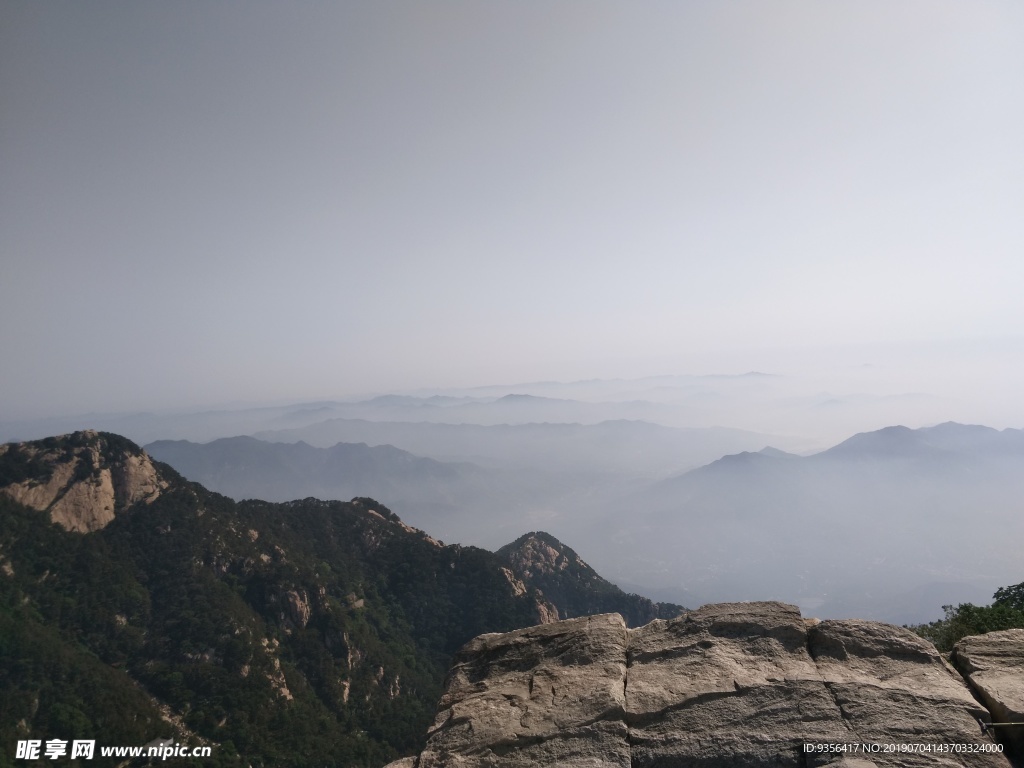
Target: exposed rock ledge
[(730, 685), (994, 666)]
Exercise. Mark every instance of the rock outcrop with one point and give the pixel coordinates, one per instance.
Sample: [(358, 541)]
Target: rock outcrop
[(994, 666), (569, 587), (548, 695), (742, 684), (81, 480)]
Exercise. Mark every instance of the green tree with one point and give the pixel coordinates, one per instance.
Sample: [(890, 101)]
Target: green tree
[(1006, 612), (1011, 597)]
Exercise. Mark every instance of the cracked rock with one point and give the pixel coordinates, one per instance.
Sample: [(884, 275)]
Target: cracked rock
[(725, 686), (994, 666), (547, 695)]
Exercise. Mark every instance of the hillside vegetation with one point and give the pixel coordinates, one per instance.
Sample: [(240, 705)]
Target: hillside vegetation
[(1006, 612), (299, 633)]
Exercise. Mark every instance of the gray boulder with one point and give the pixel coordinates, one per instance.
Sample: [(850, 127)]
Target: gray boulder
[(994, 666), (548, 695), (725, 686)]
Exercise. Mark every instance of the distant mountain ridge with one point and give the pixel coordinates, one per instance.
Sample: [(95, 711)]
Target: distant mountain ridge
[(876, 526), (900, 441), (446, 497), (244, 467), (465, 482), (620, 446)]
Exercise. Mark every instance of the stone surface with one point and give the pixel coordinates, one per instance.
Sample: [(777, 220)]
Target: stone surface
[(86, 505), (136, 479), (298, 607), (994, 666), (547, 695), (730, 685), (893, 687)]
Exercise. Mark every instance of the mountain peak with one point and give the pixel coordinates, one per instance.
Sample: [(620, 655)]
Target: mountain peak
[(888, 441), (540, 561), (776, 453), (82, 479), (538, 554), (515, 397)]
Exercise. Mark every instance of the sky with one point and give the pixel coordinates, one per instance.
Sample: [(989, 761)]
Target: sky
[(214, 202)]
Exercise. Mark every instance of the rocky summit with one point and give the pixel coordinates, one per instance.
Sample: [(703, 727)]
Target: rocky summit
[(81, 480), (740, 684)]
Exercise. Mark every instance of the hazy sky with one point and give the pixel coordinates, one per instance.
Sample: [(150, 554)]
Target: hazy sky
[(203, 202)]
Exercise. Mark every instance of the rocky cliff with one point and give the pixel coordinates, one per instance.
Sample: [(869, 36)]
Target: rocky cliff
[(81, 480), (744, 684)]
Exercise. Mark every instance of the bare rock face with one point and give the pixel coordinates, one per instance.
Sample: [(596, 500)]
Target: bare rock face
[(742, 684), (548, 695), (727, 685), (994, 666), (298, 607), (80, 480), (136, 479), (86, 504), (545, 610), (537, 557), (893, 687)]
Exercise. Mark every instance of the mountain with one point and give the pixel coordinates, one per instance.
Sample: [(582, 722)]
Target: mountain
[(82, 480), (541, 561), (307, 632), (244, 467), (876, 526), (465, 482), (439, 495), (513, 405), (873, 526), (950, 437)]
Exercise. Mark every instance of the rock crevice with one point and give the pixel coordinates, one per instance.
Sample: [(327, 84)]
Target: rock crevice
[(993, 665)]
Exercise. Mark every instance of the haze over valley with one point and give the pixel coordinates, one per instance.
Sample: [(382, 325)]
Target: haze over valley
[(875, 525)]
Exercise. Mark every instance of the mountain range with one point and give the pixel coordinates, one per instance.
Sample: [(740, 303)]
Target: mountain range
[(621, 447), (687, 402), (137, 605), (870, 527), (465, 482), (885, 525)]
